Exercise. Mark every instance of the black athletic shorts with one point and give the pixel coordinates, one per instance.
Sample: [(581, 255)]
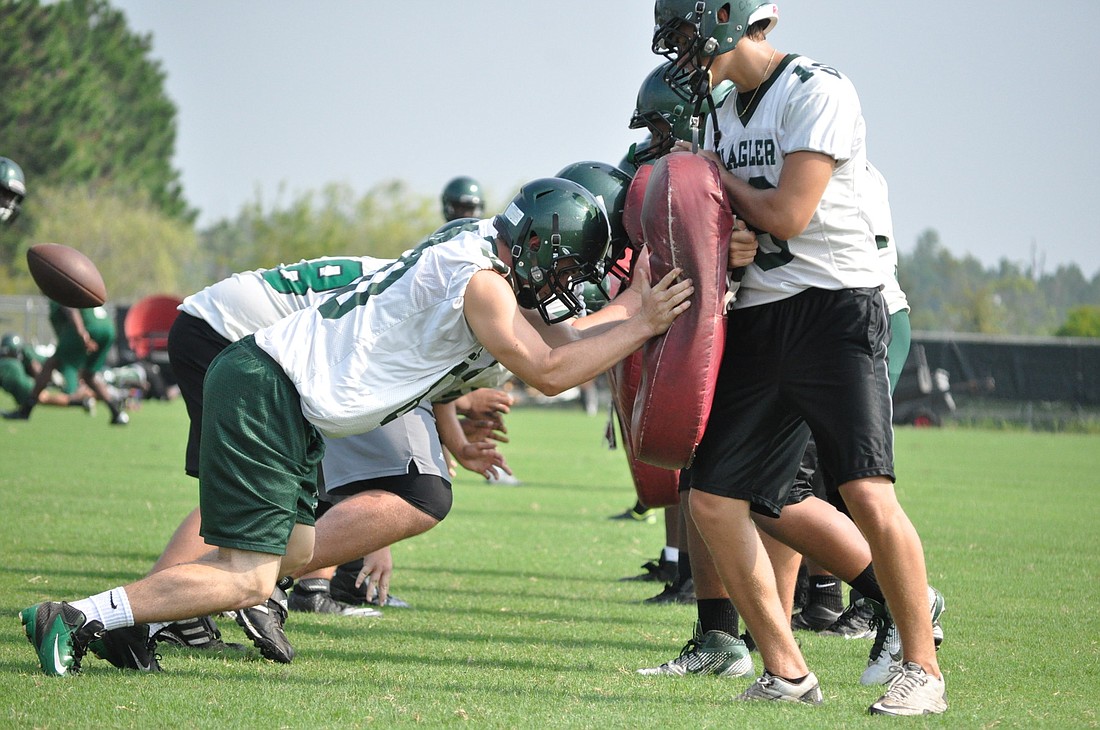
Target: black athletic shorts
[(192, 346), (429, 493), (813, 362)]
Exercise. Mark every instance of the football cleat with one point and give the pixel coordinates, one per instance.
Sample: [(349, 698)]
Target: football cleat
[(853, 623), (657, 571), (912, 691), (312, 596), (777, 689), (814, 617), (675, 592), (885, 659), (646, 515), (263, 624), (128, 648), (715, 653), (194, 633), (60, 636)]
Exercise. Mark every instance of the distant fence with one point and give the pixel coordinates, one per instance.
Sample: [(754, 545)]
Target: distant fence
[(1041, 381)]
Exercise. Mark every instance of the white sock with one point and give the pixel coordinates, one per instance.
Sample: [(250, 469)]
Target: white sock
[(157, 626), (672, 554), (111, 608)]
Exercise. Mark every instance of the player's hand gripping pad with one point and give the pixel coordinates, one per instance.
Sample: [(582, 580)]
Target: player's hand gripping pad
[(687, 223)]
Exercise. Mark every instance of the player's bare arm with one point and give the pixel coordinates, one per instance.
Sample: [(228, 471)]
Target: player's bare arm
[(785, 210), (477, 456), (496, 320)]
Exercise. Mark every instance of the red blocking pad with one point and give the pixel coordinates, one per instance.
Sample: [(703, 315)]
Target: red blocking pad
[(656, 487), (686, 223)]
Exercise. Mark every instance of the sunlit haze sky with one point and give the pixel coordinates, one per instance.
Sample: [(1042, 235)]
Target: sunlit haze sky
[(982, 115)]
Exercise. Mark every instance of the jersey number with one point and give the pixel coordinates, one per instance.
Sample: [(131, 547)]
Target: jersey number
[(771, 252), (308, 276)]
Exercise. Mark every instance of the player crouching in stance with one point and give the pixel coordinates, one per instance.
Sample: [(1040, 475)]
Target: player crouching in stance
[(401, 333)]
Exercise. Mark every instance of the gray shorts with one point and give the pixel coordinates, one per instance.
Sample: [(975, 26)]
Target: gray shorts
[(404, 457)]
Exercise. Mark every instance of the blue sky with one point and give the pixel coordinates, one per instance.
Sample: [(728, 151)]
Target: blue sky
[(982, 115)]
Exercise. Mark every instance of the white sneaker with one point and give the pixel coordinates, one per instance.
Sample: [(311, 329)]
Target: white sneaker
[(912, 691), (770, 687), (885, 659)]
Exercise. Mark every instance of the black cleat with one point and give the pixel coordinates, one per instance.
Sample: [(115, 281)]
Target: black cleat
[(128, 648), (263, 624), (675, 593), (195, 633)]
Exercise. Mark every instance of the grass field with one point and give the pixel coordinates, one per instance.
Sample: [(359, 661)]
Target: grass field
[(518, 618)]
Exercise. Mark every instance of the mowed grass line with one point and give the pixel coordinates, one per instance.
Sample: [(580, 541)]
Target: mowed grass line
[(518, 618)]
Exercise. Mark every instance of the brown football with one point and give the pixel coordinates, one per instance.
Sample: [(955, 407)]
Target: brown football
[(66, 276)]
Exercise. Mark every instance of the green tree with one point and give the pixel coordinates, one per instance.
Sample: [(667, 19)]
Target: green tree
[(383, 222), (1081, 321), (82, 103), (137, 249)]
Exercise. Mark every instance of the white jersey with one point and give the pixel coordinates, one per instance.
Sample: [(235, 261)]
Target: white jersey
[(373, 350), (247, 301), (803, 106), (876, 206)]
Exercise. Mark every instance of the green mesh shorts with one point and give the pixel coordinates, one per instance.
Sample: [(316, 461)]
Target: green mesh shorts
[(259, 456)]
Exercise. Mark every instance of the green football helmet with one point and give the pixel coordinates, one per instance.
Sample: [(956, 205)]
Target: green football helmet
[(13, 188), (11, 345), (558, 236), (668, 117), (689, 33), (609, 184), (462, 199)]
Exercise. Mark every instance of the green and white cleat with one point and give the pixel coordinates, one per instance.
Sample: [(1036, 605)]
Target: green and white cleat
[(60, 636)]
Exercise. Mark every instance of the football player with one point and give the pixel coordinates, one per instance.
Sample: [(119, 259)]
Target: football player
[(791, 147), (84, 339), (405, 451), (462, 198), (13, 188), (407, 330)]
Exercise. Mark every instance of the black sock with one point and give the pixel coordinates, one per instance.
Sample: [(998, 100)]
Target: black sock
[(825, 592), (683, 568), (867, 584), (717, 614)]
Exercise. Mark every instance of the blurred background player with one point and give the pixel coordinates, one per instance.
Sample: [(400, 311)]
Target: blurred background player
[(84, 340), (13, 188), (84, 336), (462, 198), (20, 365)]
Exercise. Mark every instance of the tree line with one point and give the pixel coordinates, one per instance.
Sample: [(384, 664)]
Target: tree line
[(83, 110)]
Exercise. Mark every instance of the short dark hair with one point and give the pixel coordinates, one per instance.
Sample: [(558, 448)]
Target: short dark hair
[(757, 30)]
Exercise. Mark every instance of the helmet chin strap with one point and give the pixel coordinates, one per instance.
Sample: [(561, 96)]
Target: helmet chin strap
[(703, 94)]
